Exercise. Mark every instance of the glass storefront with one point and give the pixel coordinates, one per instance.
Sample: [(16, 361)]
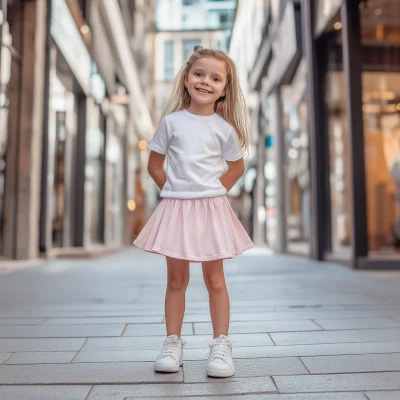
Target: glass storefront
[(94, 172), (10, 64), (5, 72), (297, 173), (381, 109), (270, 172), (115, 198), (62, 133), (339, 157)]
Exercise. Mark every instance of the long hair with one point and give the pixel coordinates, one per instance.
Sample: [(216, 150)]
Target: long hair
[(231, 107)]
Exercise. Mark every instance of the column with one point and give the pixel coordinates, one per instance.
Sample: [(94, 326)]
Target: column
[(352, 66), (319, 151), (22, 198)]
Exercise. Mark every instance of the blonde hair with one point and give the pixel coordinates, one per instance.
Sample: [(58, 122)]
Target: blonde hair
[(231, 107)]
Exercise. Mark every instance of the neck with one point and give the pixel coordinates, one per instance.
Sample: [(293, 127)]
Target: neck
[(201, 109)]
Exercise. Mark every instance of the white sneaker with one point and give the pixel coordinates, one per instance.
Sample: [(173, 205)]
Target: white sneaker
[(171, 357), (220, 363)]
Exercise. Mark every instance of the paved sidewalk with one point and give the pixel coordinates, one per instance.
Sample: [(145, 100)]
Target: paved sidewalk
[(91, 329)]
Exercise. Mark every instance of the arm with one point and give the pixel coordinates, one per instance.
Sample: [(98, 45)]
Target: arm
[(235, 171), (155, 167)]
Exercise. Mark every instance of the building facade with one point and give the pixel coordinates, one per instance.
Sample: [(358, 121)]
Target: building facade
[(181, 25), (73, 112), (325, 77)]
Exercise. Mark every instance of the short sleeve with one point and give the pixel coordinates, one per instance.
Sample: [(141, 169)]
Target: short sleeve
[(159, 141), (232, 150)]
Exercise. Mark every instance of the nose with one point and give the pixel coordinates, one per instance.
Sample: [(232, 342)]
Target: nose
[(204, 81)]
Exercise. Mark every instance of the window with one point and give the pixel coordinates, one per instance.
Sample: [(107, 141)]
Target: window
[(220, 19), (190, 2), (169, 61), (188, 46), (223, 18)]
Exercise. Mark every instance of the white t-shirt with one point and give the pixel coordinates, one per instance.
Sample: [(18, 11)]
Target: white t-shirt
[(196, 147)]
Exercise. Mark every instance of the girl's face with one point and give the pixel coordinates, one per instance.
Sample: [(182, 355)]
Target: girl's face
[(206, 80)]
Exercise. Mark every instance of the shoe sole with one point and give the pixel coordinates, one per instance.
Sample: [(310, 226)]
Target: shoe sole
[(220, 374), (168, 368)]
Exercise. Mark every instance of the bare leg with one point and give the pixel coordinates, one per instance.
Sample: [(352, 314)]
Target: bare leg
[(213, 273), (178, 280)]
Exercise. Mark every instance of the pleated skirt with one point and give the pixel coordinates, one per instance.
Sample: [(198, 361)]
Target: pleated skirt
[(194, 229)]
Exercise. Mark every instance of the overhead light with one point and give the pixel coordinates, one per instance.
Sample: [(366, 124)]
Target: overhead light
[(85, 29), (378, 11), (142, 145), (131, 205), (338, 26)]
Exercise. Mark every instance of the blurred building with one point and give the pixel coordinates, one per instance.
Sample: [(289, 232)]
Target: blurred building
[(248, 194), (326, 75), (75, 102), (181, 25)]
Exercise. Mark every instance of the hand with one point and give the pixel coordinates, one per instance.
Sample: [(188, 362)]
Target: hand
[(235, 171)]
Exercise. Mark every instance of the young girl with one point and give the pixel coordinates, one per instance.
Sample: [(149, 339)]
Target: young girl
[(204, 123)]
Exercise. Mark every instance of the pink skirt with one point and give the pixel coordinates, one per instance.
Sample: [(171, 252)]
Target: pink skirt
[(195, 230)]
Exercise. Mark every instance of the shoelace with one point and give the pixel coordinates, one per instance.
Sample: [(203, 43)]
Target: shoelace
[(220, 349), (169, 348)]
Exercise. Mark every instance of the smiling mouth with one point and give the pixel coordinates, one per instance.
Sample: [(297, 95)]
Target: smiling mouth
[(203, 91)]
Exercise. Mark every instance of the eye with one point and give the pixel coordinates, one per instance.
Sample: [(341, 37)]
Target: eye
[(216, 79), (197, 74)]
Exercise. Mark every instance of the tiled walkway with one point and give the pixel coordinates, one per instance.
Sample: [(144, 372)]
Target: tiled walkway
[(301, 330)]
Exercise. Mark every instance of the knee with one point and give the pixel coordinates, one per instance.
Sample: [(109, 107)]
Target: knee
[(178, 282), (215, 284)]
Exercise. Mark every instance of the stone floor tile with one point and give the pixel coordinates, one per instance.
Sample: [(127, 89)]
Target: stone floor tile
[(154, 330), (357, 323), (235, 386), (367, 335), (53, 331), (44, 392), (198, 354), (4, 357), (118, 356), (308, 396), (195, 371), (338, 382), (346, 315), (43, 314), (21, 321), (310, 350), (48, 344), (392, 395), (84, 373), (155, 342), (41, 357), (352, 363), (315, 307), (260, 326), (104, 320)]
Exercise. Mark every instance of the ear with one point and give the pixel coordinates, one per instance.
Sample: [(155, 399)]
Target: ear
[(186, 81)]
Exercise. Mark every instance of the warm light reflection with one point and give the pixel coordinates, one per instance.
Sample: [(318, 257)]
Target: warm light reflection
[(85, 29), (131, 205), (142, 145), (337, 26)]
